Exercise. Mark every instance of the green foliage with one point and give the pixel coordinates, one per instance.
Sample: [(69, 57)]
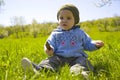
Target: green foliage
[(102, 25), (106, 61), (35, 29), (18, 41)]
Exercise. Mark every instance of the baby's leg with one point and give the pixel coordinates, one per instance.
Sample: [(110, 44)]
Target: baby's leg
[(51, 63), (81, 66)]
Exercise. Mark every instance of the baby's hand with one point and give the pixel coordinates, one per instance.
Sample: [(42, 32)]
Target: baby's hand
[(48, 49), (48, 46), (49, 52), (99, 43)]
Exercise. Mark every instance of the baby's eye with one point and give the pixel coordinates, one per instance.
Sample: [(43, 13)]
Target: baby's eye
[(68, 18), (61, 18)]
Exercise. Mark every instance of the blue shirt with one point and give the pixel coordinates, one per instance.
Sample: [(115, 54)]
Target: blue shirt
[(71, 43)]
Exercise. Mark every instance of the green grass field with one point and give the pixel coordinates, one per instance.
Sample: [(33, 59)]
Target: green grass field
[(106, 61)]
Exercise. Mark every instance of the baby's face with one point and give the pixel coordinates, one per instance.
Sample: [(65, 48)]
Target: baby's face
[(66, 19)]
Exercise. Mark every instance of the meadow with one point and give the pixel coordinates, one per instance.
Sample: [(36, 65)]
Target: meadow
[(106, 61)]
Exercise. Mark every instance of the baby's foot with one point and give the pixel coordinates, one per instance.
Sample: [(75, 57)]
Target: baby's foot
[(27, 65)]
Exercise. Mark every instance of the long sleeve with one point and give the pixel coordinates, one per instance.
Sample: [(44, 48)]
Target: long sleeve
[(51, 41), (88, 43)]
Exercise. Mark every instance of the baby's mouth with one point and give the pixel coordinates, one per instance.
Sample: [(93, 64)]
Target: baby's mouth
[(64, 25)]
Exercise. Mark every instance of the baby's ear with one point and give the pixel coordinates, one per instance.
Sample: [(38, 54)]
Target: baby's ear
[(47, 46)]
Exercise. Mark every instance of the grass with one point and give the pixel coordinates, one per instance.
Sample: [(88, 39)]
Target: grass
[(106, 61)]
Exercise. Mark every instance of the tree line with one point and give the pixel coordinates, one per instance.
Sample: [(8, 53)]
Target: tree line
[(35, 29), (105, 24)]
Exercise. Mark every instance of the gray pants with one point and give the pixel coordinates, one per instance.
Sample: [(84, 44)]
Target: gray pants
[(77, 64)]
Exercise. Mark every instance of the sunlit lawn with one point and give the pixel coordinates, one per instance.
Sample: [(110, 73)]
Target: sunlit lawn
[(106, 61)]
